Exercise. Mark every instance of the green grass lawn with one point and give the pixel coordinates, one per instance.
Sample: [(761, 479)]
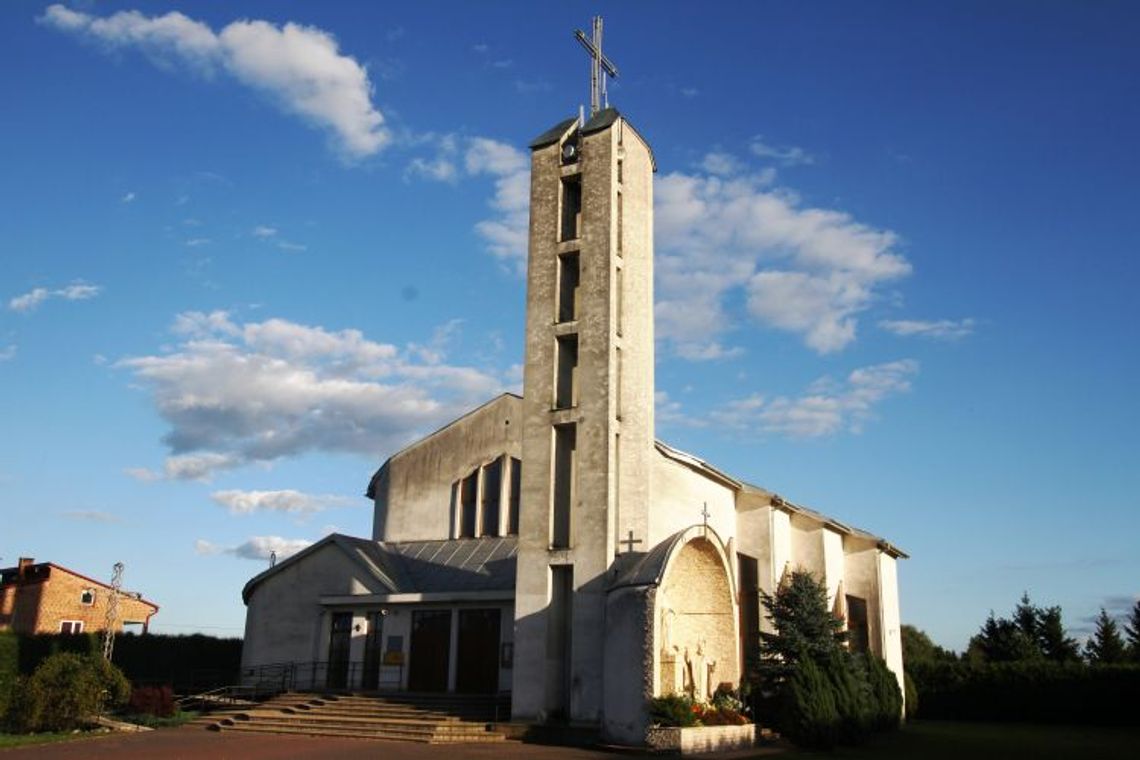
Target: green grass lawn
[(8, 741), (947, 740)]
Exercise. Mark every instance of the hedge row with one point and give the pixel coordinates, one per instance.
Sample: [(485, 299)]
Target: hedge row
[(1036, 692), (188, 663)]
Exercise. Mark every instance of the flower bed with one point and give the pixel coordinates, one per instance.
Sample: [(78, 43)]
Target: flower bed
[(694, 740)]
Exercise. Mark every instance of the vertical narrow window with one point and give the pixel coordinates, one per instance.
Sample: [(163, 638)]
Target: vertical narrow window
[(617, 382), (748, 571), (492, 495), (559, 642), (619, 173), (516, 496), (858, 634), (619, 292), (571, 207), (620, 220), (468, 492), (565, 471), (568, 276), (617, 479), (566, 388)]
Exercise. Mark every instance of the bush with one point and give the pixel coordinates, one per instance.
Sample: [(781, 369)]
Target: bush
[(152, 700), (808, 714), (911, 696), (673, 710), (886, 699), (64, 691), (1035, 692), (9, 668)]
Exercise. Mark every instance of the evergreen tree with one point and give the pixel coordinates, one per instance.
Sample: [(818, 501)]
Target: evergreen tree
[(1025, 617), (918, 648), (804, 626), (1132, 628), (1051, 638), (1002, 640), (1105, 647)]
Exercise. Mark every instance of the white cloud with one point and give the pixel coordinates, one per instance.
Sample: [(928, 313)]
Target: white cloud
[(720, 163), (29, 301), (690, 92), (263, 231), (287, 501), (235, 394), (257, 547), (287, 245), (941, 329), (8, 352), (788, 156), (128, 198), (827, 408), (505, 233), (809, 271), (198, 242), (299, 67)]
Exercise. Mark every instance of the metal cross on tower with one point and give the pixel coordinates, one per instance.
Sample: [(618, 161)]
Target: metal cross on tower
[(600, 66), (629, 542), (705, 515), (112, 616)]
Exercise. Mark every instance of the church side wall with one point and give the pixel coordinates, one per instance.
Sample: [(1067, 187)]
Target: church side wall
[(833, 563), (861, 569), (807, 546), (889, 610), (679, 496), (414, 501), (284, 620)]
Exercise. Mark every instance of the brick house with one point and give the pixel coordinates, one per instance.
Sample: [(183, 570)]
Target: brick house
[(48, 598)]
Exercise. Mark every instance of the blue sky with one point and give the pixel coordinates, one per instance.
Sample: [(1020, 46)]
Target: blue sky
[(247, 250)]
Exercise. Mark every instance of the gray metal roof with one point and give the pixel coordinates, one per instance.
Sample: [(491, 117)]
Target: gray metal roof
[(552, 135), (461, 564)]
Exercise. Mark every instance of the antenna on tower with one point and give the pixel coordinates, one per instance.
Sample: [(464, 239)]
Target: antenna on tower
[(112, 616), (272, 558)]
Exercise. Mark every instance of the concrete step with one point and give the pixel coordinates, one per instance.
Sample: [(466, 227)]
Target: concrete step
[(388, 733)]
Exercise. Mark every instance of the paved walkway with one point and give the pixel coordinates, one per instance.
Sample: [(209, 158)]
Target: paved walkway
[(195, 742)]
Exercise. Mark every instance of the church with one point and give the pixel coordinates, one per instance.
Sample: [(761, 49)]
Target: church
[(549, 546)]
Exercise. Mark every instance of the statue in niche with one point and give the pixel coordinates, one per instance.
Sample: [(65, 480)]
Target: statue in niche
[(710, 666)]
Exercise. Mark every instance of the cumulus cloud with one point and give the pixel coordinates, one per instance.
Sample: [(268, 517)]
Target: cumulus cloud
[(505, 232), (235, 394), (827, 408), (808, 271), (287, 501), (32, 299), (941, 329), (257, 547), (128, 198), (300, 67)]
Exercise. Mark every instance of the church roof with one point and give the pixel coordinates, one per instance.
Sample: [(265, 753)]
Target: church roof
[(603, 119), (420, 567)]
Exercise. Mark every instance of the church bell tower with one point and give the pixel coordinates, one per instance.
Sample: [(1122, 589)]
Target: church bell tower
[(587, 400)]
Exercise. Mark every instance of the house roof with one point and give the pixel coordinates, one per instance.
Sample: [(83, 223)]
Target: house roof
[(424, 567), (8, 576)]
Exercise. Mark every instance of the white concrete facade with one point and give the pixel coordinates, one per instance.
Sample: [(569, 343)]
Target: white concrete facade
[(619, 566)]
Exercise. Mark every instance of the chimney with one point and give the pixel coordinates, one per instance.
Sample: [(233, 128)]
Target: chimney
[(22, 567)]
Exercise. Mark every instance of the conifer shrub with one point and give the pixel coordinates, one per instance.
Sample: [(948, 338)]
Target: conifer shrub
[(886, 697), (911, 696), (808, 714)]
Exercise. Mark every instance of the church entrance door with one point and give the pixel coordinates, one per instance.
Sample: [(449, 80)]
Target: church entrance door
[(339, 640), (430, 650), (477, 660), (370, 678)]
